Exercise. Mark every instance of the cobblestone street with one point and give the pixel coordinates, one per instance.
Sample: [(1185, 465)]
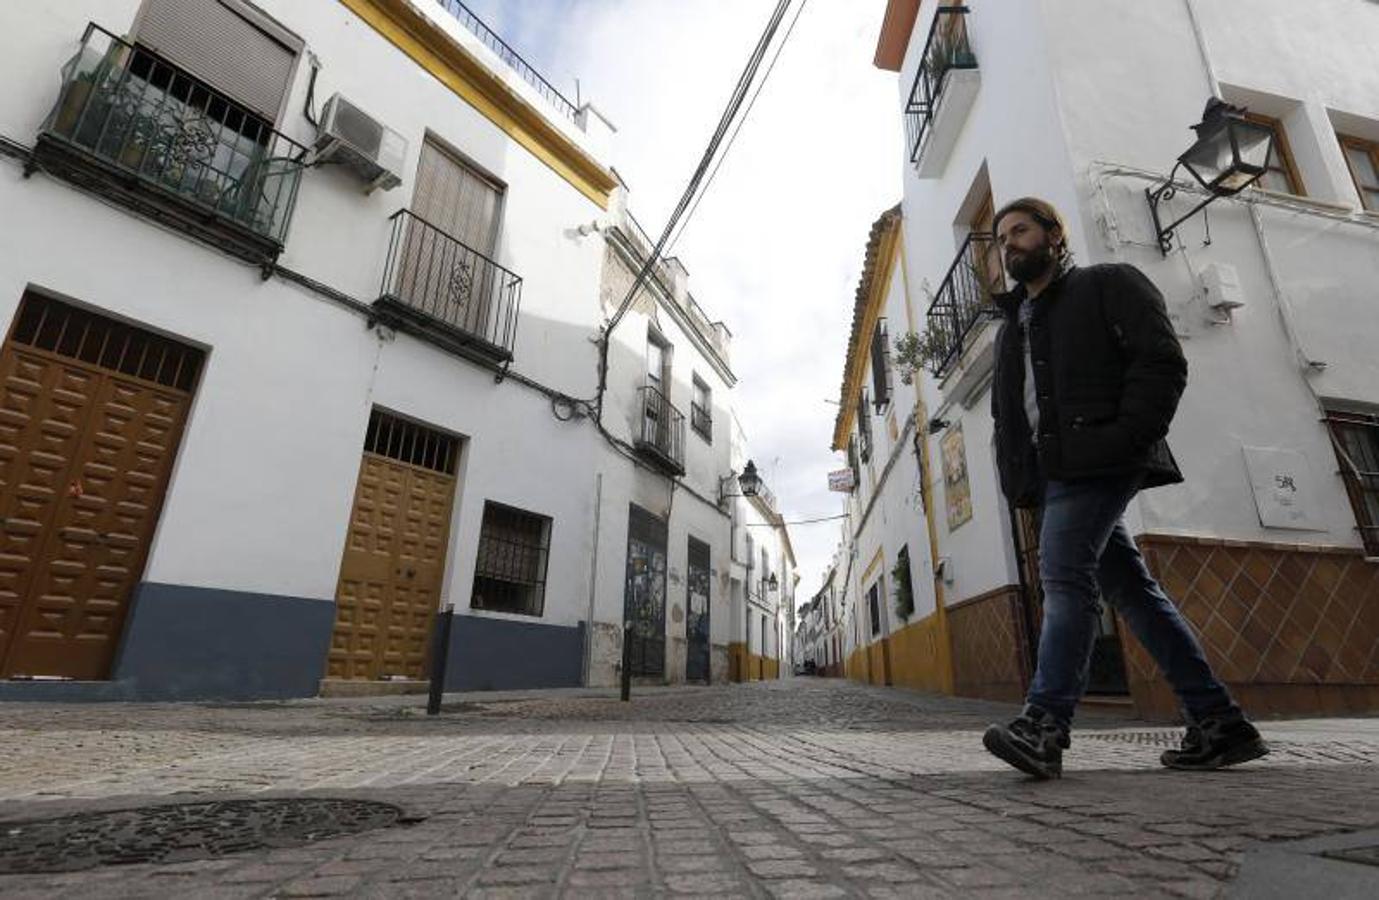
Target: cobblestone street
[(803, 788)]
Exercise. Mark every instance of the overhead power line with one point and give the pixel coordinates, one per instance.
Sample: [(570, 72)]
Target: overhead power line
[(796, 522), (735, 102), (684, 223)]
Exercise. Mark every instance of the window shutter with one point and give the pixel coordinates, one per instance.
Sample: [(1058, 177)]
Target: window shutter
[(881, 365), (864, 425), (232, 47)]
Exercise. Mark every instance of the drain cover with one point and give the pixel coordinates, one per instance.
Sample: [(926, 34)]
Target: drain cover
[(187, 831)]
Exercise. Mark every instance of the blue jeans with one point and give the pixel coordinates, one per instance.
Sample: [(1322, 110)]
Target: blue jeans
[(1084, 546)]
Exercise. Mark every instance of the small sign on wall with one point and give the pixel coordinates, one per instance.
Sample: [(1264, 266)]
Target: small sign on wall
[(1283, 489), (956, 490)]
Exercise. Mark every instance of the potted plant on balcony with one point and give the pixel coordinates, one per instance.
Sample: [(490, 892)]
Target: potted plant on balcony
[(913, 352)]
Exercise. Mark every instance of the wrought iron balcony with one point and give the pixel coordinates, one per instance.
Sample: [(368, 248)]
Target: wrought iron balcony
[(133, 126), (438, 288), (961, 301), (662, 435), (490, 39), (947, 50)]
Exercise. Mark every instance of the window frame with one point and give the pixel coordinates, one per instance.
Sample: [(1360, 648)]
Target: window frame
[(1288, 164), (1372, 149), (703, 411), (1360, 494), (547, 528)]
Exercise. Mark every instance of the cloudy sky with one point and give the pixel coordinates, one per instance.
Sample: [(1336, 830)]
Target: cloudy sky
[(775, 248)]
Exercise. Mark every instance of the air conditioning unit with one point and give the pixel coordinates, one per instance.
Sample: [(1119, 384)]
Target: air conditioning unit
[(353, 138)]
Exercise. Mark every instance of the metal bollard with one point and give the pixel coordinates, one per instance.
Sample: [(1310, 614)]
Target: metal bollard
[(626, 661), (440, 652)]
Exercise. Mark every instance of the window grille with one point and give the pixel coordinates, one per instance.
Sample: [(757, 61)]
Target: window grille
[(76, 333), (1355, 437), (510, 574)]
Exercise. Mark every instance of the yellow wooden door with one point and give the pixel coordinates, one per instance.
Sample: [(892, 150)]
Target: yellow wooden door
[(394, 560)]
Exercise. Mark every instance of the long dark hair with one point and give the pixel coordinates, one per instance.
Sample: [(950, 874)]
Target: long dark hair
[(1043, 212)]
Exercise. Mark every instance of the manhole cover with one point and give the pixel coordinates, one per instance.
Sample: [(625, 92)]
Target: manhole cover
[(187, 831)]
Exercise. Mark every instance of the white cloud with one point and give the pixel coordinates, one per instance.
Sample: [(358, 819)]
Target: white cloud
[(775, 248)]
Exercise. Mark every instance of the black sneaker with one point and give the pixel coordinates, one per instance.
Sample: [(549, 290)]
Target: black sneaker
[(1215, 742), (1033, 743)]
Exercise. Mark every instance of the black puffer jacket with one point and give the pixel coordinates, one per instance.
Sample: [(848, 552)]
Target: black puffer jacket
[(1108, 372)]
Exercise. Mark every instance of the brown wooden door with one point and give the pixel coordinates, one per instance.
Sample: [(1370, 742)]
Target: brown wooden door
[(85, 457), (390, 577)]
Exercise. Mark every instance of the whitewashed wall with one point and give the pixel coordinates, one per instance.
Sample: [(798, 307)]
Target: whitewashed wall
[(1313, 68)]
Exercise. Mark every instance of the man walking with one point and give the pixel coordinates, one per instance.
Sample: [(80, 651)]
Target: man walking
[(1088, 377)]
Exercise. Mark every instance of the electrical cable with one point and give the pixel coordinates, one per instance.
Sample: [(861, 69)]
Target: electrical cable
[(796, 522), (708, 182), (729, 113)]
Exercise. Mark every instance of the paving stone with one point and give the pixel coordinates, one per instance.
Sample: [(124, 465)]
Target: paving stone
[(707, 883), (325, 886), (805, 890), (814, 786), (781, 868)]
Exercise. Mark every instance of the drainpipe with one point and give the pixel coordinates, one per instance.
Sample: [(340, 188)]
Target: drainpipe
[(593, 580)]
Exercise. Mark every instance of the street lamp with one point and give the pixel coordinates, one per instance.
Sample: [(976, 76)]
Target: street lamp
[(1229, 155), (749, 481), (773, 583)]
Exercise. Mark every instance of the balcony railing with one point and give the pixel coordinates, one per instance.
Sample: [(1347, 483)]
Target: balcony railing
[(130, 122), (510, 56), (448, 291), (663, 430), (962, 299), (947, 48)]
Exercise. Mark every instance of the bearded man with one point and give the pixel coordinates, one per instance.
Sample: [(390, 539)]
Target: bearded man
[(1088, 377)]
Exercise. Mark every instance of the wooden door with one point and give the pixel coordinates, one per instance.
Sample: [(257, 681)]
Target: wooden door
[(394, 560), (91, 413)]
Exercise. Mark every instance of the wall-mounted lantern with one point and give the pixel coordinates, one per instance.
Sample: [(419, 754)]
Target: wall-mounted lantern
[(1229, 155), (748, 480)]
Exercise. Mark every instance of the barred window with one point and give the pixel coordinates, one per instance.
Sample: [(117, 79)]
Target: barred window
[(1355, 437), (510, 575)]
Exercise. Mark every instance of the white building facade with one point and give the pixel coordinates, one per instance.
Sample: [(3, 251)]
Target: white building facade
[(304, 300), (1269, 545)]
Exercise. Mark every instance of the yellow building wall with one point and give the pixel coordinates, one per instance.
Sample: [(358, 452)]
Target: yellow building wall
[(919, 655), (737, 662), (744, 666)]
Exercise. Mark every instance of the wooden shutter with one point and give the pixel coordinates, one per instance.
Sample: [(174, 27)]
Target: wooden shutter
[(456, 199), (232, 47)]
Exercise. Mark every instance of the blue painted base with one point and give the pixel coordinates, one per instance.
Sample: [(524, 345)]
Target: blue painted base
[(503, 654), (190, 643)]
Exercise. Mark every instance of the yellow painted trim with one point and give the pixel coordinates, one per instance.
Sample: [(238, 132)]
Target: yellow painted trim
[(876, 301), (876, 560), (944, 641), (455, 67)]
